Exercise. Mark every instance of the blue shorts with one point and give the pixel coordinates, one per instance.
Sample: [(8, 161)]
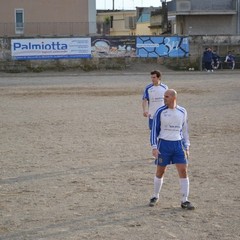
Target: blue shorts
[(171, 152), (150, 122)]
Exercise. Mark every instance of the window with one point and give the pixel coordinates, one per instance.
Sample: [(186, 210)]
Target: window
[(111, 21), (19, 21)]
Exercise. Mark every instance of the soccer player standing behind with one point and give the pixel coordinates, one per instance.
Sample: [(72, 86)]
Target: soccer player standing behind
[(153, 96)]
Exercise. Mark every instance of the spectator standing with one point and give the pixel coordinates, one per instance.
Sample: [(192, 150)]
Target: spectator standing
[(208, 59)]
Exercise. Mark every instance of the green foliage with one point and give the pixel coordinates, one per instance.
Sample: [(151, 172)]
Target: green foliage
[(107, 20)]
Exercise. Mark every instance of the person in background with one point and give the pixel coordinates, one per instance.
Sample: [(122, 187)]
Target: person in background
[(153, 96), (170, 145), (207, 59), (216, 60), (230, 59)]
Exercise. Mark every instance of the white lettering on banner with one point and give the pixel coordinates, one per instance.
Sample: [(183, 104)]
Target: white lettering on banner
[(171, 44), (145, 45)]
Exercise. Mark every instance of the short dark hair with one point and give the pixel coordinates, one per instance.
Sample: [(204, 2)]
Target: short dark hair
[(158, 73)]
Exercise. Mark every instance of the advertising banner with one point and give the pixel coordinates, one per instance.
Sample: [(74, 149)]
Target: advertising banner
[(50, 48), (162, 46), (124, 46)]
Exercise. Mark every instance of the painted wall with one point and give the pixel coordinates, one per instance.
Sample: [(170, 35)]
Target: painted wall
[(142, 28), (45, 17)]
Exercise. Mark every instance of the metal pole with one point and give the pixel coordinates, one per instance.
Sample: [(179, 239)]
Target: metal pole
[(238, 17)]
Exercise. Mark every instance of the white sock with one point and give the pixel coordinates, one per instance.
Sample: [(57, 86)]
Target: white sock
[(184, 186), (157, 186)]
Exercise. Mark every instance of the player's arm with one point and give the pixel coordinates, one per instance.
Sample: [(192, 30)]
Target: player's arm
[(154, 133), (155, 130), (186, 141), (145, 107)]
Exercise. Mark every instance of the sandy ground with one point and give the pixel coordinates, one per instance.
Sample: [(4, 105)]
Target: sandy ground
[(76, 160)]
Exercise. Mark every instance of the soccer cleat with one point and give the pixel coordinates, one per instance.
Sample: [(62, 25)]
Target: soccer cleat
[(187, 205), (153, 202)]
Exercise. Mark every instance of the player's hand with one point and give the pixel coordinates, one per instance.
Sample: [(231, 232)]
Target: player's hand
[(145, 114), (155, 153)]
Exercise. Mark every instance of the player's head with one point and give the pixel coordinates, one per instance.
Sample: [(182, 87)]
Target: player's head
[(156, 77), (170, 98)]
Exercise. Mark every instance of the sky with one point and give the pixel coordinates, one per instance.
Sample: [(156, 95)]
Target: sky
[(126, 4)]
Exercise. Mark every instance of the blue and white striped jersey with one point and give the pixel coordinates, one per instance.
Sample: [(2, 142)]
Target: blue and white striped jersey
[(170, 124), (155, 97)]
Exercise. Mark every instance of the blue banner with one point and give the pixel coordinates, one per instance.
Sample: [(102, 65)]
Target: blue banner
[(162, 46), (50, 48)]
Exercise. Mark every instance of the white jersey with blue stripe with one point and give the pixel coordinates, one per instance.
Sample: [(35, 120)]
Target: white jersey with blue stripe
[(155, 97), (171, 125)]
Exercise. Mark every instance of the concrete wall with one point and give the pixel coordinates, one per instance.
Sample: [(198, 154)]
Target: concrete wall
[(206, 25), (222, 44), (92, 16)]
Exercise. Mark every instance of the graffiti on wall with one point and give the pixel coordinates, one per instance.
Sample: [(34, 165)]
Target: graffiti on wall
[(113, 47), (96, 47), (162, 46)]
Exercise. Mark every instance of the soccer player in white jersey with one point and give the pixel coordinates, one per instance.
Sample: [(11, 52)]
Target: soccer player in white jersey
[(170, 145), (153, 96)]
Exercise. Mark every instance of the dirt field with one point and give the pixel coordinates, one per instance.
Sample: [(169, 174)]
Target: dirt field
[(76, 161)]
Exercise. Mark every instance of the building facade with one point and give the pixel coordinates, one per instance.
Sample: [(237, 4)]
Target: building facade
[(116, 22), (142, 21), (205, 17), (149, 21), (47, 18)]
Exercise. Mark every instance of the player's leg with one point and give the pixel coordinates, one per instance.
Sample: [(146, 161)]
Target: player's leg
[(162, 162), (184, 186), (158, 182), (184, 181), (182, 166)]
